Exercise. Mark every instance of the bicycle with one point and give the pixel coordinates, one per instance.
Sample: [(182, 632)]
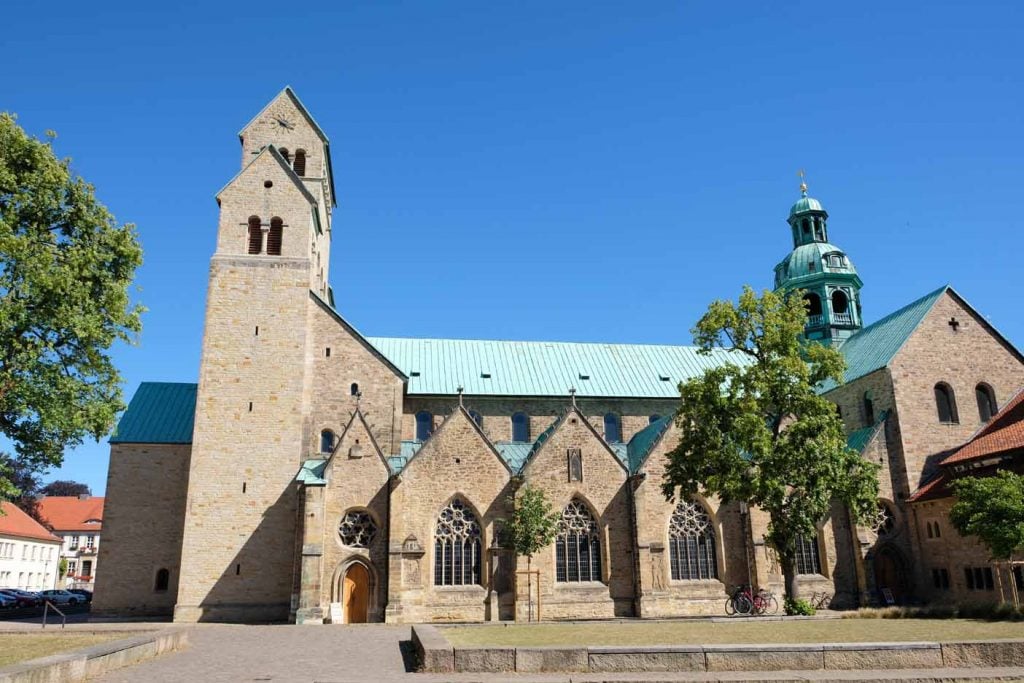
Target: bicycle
[(821, 600), (744, 601)]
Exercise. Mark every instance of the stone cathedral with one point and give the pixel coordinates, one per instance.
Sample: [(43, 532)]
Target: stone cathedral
[(318, 475)]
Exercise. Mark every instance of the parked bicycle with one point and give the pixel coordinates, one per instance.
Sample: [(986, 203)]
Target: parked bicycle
[(745, 601), (821, 600)]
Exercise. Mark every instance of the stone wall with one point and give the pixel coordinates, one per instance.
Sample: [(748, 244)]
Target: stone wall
[(142, 523)]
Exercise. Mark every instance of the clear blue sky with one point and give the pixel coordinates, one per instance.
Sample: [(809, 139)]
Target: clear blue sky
[(587, 171)]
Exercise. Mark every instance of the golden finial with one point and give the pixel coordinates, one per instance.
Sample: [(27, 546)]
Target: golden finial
[(803, 182)]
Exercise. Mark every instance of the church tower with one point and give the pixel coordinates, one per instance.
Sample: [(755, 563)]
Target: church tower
[(826, 275), (271, 259)]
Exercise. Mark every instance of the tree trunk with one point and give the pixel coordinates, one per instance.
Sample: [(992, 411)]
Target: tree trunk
[(788, 565)]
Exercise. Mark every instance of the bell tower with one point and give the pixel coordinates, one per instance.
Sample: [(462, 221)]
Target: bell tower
[(271, 257), (822, 271)]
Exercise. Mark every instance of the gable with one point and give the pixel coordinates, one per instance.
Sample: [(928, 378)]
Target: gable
[(549, 457), (356, 448), (456, 446), (269, 160)]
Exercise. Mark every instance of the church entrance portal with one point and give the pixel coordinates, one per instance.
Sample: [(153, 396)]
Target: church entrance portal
[(890, 573), (356, 596)]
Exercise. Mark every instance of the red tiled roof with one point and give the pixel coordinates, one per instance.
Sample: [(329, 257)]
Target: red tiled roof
[(1004, 432), (70, 513), (14, 522), (936, 488)]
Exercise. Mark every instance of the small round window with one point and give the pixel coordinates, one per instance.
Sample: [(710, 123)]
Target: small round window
[(357, 529)]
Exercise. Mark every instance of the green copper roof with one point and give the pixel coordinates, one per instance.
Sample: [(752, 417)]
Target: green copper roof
[(518, 368), (644, 441), (796, 267), (159, 412), (805, 204), (312, 472), (858, 439), (874, 346)]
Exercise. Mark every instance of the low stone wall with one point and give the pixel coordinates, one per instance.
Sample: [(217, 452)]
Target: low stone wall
[(439, 656), (94, 661)]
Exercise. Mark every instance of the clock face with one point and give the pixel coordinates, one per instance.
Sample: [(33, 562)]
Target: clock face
[(283, 122)]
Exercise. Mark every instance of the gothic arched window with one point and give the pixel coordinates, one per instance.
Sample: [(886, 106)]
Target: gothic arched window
[(299, 165), (357, 529), (577, 545), (327, 441), (986, 401), (521, 427), (457, 555), (691, 543), (945, 403), (424, 425), (255, 235), (612, 428), (808, 560)]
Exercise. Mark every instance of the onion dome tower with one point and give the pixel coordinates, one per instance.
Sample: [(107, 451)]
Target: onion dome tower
[(823, 271)]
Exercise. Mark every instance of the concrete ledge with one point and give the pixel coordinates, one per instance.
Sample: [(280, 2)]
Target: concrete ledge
[(94, 661), (764, 657), (845, 656), (485, 659), (983, 653), (435, 652), (551, 659), (623, 659)]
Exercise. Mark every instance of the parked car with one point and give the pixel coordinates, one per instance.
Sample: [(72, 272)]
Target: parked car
[(8, 601), (23, 598), (86, 595), (61, 597)]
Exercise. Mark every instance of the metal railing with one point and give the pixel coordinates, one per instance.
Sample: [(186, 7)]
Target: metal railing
[(47, 606), (842, 318), (814, 320)]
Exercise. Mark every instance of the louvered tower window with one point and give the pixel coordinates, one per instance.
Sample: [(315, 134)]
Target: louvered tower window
[(255, 235), (299, 165), (274, 236)]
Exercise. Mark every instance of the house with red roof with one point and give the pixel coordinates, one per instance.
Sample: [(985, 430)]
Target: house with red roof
[(968, 573), (29, 554), (77, 520)]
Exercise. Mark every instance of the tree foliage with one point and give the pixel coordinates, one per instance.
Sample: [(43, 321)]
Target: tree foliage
[(62, 487), (991, 508), (755, 429), (533, 525), (65, 270)]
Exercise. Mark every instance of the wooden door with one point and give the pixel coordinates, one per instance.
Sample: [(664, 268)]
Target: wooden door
[(356, 594), (889, 574)]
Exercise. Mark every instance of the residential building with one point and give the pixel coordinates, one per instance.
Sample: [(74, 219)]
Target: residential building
[(78, 520), (29, 554)]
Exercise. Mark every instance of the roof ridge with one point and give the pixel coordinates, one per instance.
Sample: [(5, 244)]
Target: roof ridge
[(536, 341)]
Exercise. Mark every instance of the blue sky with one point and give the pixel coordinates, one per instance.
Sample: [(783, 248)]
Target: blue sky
[(583, 171)]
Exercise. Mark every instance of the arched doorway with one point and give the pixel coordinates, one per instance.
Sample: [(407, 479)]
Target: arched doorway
[(356, 596), (890, 573)]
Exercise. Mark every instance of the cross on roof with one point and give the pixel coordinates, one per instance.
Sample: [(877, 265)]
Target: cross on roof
[(954, 323)]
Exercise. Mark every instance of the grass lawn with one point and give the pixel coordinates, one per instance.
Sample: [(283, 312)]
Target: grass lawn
[(707, 632), (19, 647)]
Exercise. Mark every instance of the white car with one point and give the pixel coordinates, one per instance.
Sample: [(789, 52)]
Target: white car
[(60, 597)]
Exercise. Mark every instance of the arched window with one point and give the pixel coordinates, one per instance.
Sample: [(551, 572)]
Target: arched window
[(577, 545), (653, 418), (354, 389), (286, 154), (327, 441), (163, 580), (521, 427), (808, 561), (274, 236), (840, 304), (691, 543), (986, 401), (805, 226), (457, 546), (424, 425), (477, 417), (869, 409), (945, 402), (612, 428), (884, 521), (299, 165), (813, 303), (255, 235), (357, 529)]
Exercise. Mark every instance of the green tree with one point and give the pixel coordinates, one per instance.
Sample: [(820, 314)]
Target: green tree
[(65, 269), (531, 528), (991, 508), (62, 567), (755, 430)]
